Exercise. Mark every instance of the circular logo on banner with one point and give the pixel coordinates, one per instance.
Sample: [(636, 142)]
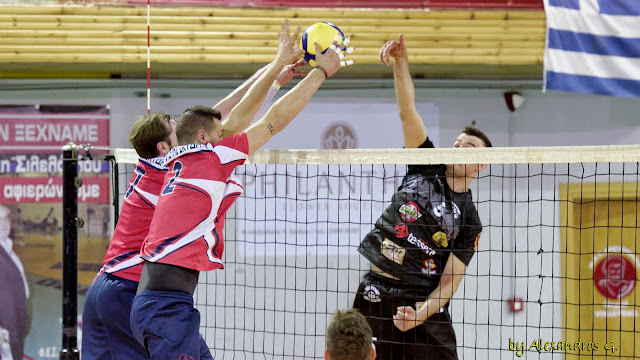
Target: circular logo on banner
[(339, 136), (615, 277)]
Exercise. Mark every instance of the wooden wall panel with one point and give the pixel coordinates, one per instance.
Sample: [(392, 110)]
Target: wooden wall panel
[(64, 37)]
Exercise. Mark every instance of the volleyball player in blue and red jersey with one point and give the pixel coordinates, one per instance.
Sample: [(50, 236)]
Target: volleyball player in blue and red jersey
[(186, 234), (106, 330), (106, 333)]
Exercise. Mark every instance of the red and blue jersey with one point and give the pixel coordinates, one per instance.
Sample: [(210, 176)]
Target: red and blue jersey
[(199, 188), (123, 256)]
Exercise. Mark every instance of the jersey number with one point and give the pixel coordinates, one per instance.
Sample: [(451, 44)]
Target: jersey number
[(177, 167), (139, 173)]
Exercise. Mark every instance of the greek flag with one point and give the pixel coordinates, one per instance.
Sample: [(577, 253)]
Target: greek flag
[(593, 46)]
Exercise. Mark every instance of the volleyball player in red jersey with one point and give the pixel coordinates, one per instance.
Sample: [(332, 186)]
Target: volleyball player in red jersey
[(106, 330), (186, 234)]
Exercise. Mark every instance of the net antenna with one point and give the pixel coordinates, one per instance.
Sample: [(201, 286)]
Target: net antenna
[(148, 57)]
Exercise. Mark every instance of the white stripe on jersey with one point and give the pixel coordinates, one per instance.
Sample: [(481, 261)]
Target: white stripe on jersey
[(217, 190), (211, 243), (135, 260), (156, 162), (227, 154), (148, 196)]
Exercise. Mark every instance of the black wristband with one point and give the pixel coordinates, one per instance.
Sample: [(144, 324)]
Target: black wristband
[(326, 76)]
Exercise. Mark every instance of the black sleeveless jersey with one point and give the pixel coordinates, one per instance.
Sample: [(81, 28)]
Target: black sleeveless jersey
[(424, 224)]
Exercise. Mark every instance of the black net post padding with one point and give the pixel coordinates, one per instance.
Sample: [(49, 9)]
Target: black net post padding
[(116, 194), (71, 182)]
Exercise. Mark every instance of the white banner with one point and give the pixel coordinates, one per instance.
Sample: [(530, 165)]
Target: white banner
[(290, 210)]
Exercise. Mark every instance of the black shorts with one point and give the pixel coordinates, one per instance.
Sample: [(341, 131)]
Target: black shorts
[(378, 299)]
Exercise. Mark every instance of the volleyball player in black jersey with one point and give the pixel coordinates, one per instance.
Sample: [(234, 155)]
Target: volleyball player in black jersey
[(422, 243)]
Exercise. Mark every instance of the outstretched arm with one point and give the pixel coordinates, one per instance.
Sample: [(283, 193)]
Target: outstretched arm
[(292, 103), (284, 77), (226, 105), (407, 317), (412, 125), (242, 114)]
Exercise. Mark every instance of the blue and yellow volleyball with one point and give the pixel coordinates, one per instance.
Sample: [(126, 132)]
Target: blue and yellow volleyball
[(321, 32)]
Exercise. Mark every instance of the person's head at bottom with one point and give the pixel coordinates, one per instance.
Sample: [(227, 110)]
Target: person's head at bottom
[(349, 337)]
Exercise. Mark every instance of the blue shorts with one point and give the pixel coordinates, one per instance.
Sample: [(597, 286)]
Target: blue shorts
[(168, 325), (106, 333)]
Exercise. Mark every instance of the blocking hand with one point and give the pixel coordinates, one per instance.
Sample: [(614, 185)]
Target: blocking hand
[(290, 71), (394, 49), (334, 58), (288, 49)]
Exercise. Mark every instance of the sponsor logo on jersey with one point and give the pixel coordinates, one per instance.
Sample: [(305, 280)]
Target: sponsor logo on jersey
[(440, 239), (420, 244), (438, 209), (393, 251), (429, 267), (401, 231), (371, 293), (410, 212), (475, 245)]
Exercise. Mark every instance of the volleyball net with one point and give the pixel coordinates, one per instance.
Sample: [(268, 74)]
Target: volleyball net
[(554, 274)]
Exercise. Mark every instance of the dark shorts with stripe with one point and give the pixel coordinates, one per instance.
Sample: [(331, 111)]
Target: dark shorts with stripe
[(168, 325), (106, 333), (378, 298)]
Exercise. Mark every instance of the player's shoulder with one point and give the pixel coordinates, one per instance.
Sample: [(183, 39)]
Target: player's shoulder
[(232, 148), (471, 212), (233, 141)]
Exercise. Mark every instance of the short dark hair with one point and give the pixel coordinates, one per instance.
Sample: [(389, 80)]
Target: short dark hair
[(349, 336), (147, 131), (474, 131), (193, 119)]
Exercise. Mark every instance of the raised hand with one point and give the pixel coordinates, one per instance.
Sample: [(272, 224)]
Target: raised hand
[(334, 58), (288, 49), (393, 49), (290, 71)]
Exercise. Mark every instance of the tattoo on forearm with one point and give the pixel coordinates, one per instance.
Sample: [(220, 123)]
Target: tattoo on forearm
[(271, 129)]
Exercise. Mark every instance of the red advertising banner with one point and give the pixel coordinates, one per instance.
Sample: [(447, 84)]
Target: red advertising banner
[(48, 128), (19, 190), (31, 141)]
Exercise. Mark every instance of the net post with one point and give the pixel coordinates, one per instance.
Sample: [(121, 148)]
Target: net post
[(116, 195), (70, 222), (115, 186)]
